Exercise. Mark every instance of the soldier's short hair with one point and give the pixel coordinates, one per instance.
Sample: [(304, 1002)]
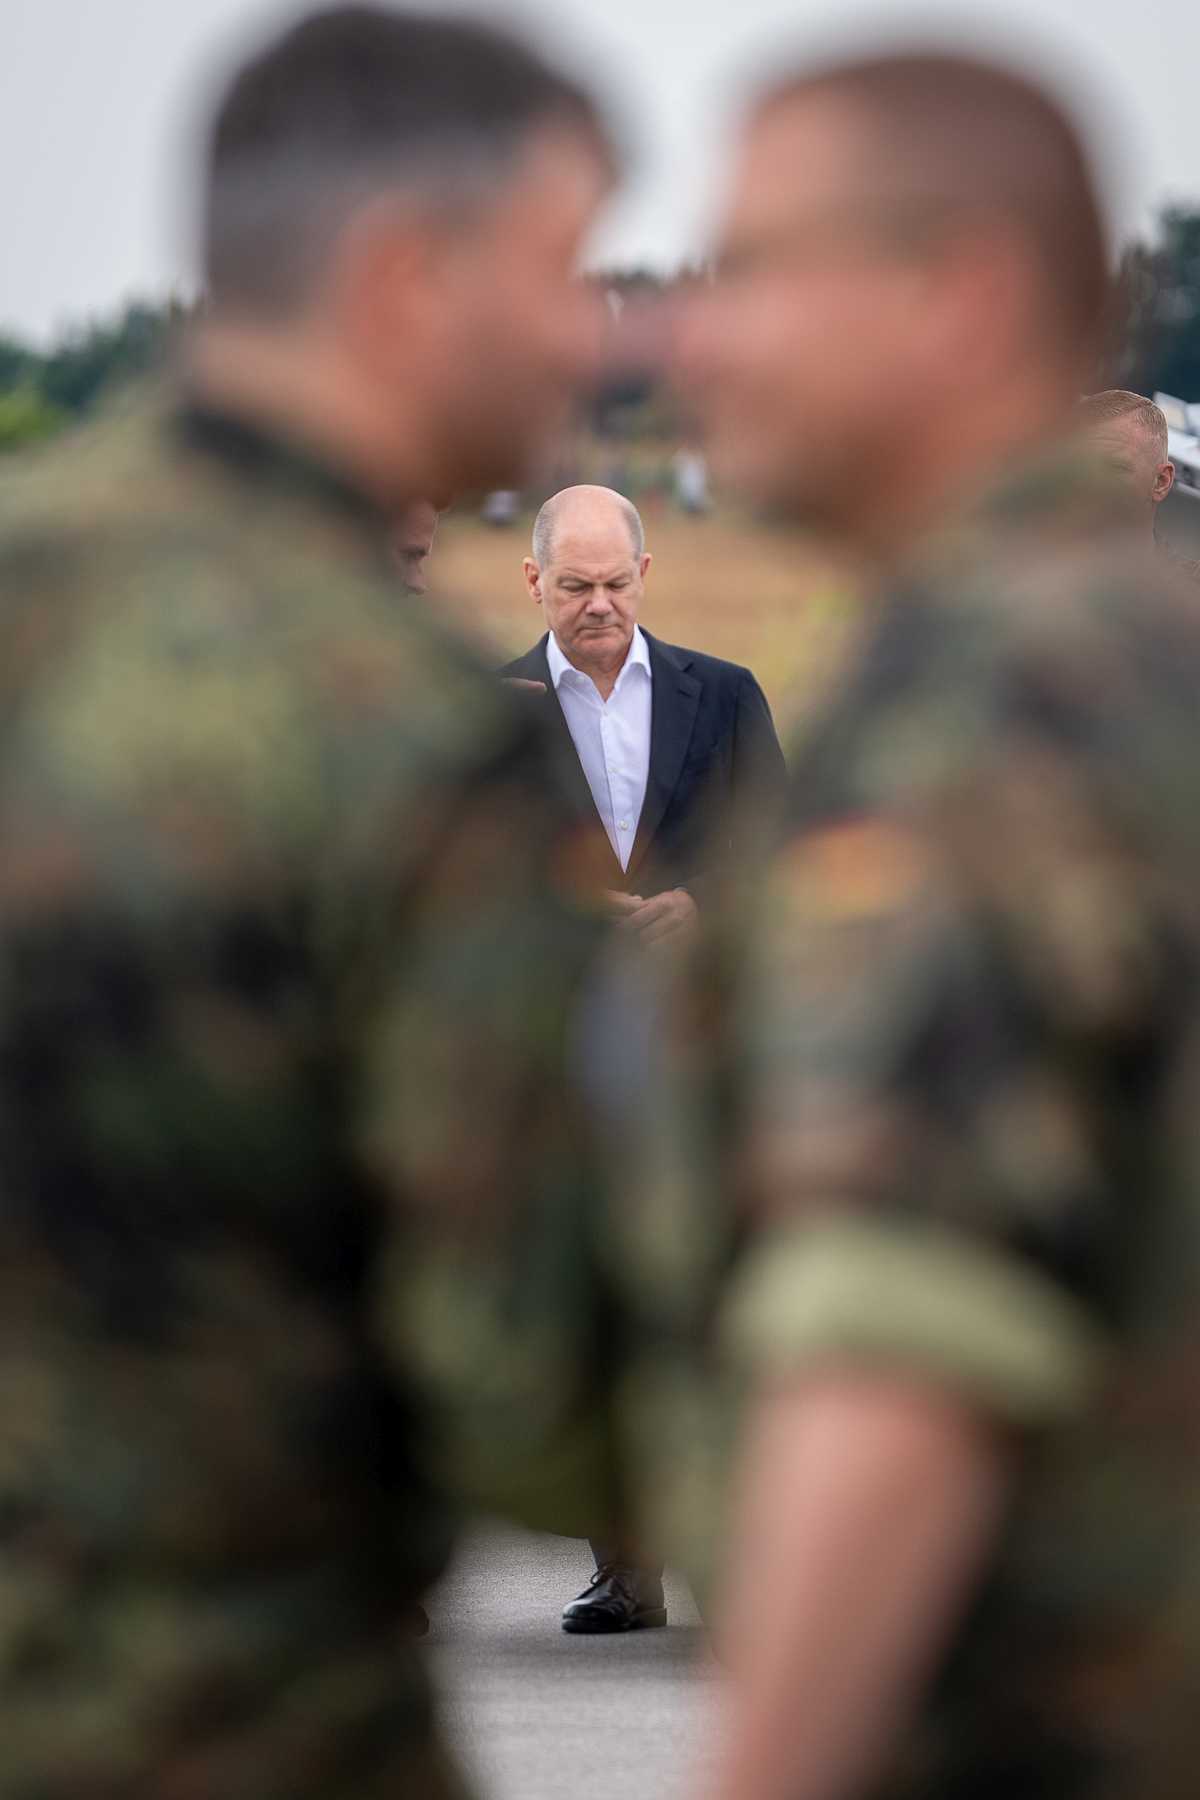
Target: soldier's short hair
[(1120, 403), (970, 139), (357, 102)]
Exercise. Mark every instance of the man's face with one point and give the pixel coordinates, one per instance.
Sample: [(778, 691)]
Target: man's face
[(808, 354), (413, 544), (1128, 452), (509, 334), (590, 591)]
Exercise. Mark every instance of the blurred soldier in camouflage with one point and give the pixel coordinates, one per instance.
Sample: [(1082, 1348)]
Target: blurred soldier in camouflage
[(273, 884), (957, 1071)]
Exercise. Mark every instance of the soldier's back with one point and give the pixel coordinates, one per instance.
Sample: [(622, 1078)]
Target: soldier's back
[(230, 754)]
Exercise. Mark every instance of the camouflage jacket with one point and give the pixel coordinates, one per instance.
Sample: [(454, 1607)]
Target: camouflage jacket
[(936, 1115), (284, 972)]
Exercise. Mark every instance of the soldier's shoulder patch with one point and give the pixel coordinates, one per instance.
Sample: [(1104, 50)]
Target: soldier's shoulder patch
[(856, 868)]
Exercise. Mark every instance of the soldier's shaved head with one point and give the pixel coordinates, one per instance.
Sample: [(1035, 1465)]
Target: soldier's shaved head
[(593, 508), (947, 139), (1128, 434), (1129, 411)]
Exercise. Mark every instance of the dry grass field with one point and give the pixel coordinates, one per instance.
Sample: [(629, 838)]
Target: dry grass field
[(721, 584)]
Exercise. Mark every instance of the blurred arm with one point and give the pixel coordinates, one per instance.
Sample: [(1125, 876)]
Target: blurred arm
[(866, 1509)]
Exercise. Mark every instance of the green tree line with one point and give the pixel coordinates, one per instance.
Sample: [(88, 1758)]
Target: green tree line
[(42, 391), (1160, 343), (1157, 344)]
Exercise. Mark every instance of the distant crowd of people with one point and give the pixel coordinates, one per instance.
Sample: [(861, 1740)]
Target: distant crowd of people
[(428, 1088)]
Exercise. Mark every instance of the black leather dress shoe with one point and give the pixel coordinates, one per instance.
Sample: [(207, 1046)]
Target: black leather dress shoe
[(617, 1599)]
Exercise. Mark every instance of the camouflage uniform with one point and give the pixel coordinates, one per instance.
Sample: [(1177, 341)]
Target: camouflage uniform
[(951, 1067), (284, 973)]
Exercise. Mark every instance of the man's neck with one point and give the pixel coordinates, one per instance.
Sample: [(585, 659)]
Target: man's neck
[(295, 384), (603, 676)]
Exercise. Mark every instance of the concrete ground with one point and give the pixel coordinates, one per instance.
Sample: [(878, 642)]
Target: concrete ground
[(538, 1715)]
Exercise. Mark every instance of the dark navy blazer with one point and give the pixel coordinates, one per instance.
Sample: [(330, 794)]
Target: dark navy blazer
[(716, 768)]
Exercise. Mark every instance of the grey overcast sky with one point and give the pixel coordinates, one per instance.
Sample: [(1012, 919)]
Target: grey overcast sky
[(98, 100)]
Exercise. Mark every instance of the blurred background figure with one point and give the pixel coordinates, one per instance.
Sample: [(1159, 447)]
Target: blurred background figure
[(268, 838), (1183, 443), (690, 466), (414, 535), (1130, 437), (954, 1096), (1128, 434), (501, 508)]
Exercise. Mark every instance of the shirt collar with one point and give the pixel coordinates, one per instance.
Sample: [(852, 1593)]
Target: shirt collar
[(638, 656)]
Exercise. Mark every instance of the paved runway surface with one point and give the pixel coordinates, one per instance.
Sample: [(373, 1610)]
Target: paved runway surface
[(538, 1715)]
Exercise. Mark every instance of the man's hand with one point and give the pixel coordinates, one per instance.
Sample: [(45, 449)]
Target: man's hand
[(656, 920), (519, 681)]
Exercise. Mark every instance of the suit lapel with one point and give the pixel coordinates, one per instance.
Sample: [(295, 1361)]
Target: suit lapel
[(675, 701), (536, 667)]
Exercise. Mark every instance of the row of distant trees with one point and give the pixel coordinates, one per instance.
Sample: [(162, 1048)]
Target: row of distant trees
[(41, 391), (1157, 345)]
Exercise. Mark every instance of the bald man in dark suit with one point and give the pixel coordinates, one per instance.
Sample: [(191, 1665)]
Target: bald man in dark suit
[(672, 754), (675, 767)]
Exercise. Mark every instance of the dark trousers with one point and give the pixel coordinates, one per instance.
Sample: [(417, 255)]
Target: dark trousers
[(606, 1551)]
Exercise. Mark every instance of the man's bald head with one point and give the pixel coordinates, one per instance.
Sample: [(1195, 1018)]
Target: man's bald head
[(593, 508), (587, 573), (949, 140)]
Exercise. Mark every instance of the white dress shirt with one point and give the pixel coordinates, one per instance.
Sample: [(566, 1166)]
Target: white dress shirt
[(611, 736)]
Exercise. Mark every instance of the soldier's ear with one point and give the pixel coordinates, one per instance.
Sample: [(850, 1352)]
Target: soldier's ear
[(380, 284), (1164, 481)]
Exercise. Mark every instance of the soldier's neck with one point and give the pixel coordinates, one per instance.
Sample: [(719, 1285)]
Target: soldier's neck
[(286, 383)]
